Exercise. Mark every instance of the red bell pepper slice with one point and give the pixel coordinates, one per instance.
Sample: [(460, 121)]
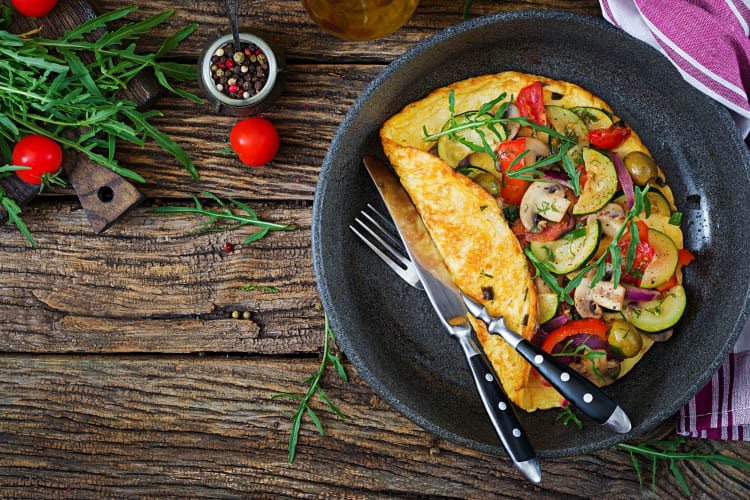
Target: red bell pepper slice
[(609, 138), (592, 326), (530, 103), (684, 257), (512, 189)]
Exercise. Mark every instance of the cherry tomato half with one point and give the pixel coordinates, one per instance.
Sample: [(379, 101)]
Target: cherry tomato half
[(512, 189), (609, 138), (41, 154), (34, 8), (255, 140), (531, 103)]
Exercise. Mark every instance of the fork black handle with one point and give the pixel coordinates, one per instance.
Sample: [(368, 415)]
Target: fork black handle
[(501, 414)]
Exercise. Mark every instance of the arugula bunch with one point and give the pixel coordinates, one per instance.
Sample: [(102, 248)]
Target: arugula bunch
[(67, 89)]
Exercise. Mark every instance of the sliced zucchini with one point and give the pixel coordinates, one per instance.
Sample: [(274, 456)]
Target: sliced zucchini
[(470, 171), (658, 314), (601, 185), (548, 304), (453, 151), (659, 204), (568, 123), (662, 267), (566, 255), (594, 118)]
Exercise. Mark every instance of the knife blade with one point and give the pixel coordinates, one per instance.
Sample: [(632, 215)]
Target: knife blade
[(449, 305)]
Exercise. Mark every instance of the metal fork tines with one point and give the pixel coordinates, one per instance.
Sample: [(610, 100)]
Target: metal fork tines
[(377, 232)]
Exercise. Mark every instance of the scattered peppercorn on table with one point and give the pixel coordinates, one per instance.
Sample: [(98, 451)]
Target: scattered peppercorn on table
[(135, 364)]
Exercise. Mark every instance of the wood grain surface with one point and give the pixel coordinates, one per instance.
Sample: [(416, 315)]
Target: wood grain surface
[(123, 373)]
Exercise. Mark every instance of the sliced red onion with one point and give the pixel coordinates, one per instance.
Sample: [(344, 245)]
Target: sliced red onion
[(539, 337), (624, 176), (592, 341), (548, 176), (465, 162), (556, 322), (635, 294)]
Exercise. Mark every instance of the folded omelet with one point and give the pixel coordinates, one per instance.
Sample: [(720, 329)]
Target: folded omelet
[(468, 227)]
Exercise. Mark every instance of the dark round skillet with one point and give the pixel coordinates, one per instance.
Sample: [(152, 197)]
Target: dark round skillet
[(389, 331)]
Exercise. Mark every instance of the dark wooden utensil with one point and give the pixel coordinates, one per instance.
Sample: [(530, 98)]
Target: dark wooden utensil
[(105, 196)]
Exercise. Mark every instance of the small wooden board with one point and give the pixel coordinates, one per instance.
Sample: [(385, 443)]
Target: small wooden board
[(142, 89)]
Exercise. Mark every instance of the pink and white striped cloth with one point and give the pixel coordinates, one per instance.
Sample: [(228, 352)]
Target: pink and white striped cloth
[(707, 41)]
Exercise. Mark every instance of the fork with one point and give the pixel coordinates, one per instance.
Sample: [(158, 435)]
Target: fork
[(389, 244), (572, 386)]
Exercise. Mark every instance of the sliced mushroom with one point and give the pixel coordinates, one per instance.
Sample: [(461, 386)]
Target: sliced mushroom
[(589, 300), (612, 217), (662, 336), (604, 373), (512, 128), (585, 304), (543, 199)]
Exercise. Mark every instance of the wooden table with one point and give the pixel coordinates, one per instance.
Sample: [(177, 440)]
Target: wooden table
[(124, 374)]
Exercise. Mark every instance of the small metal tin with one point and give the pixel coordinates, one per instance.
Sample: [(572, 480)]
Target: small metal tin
[(223, 104)]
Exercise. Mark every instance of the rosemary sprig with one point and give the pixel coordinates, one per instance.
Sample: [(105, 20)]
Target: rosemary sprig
[(467, 6), (259, 287), (667, 450), (213, 215), (314, 382), (568, 416)]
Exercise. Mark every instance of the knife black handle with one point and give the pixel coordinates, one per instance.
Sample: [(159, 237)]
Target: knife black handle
[(576, 388), (501, 414)]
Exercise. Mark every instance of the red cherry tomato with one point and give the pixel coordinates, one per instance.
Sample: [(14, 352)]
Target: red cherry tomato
[(512, 189), (531, 103), (255, 140), (42, 155), (609, 138), (34, 8)]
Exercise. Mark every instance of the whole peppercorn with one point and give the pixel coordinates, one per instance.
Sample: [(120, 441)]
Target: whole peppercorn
[(219, 72), (246, 85), (246, 95), (232, 81), (235, 314), (251, 69), (238, 57), (219, 52), (253, 59), (261, 58), (258, 86), (248, 51), (214, 67), (243, 69), (222, 59), (229, 64), (223, 80), (232, 88), (219, 87), (246, 315), (236, 69), (214, 59)]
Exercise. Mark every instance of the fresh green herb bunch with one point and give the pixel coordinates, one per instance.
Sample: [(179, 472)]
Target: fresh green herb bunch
[(67, 89)]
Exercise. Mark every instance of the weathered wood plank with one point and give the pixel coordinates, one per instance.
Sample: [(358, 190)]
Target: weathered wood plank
[(303, 39), (207, 427), (147, 285)]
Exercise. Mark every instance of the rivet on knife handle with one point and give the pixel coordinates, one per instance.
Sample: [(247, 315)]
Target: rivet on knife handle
[(499, 409)]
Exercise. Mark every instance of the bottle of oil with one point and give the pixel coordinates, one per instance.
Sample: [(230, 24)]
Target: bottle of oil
[(360, 19)]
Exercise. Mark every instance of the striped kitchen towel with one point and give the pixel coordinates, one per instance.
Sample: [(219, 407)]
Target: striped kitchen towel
[(707, 41)]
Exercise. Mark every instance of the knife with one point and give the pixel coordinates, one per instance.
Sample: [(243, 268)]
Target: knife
[(447, 301), (576, 388)]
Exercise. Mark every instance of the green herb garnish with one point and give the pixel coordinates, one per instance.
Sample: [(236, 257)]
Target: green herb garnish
[(511, 213), (676, 218), (484, 274), (259, 287), (568, 416), (314, 382), (240, 220), (585, 352), (667, 450)]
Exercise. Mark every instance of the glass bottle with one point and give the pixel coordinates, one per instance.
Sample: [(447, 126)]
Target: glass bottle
[(360, 19)]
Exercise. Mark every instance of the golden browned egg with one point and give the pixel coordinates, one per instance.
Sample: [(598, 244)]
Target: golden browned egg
[(469, 229)]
